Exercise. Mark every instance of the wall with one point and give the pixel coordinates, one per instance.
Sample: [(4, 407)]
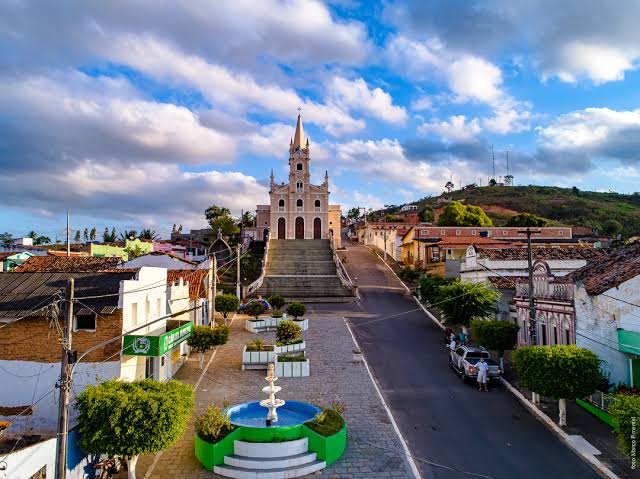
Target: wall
[(108, 251), (335, 217), (597, 320), (157, 261), (145, 246), (494, 232)]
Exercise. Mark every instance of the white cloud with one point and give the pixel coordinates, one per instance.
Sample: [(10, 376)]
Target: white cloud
[(421, 104), (508, 119), (355, 94), (600, 63), (456, 129)]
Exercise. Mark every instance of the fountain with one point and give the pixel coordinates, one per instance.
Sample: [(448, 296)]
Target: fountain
[(272, 403)]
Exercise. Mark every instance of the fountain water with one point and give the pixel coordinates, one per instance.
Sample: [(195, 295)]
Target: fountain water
[(272, 403)]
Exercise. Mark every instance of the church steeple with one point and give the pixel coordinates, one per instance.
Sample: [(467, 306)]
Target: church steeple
[(298, 138)]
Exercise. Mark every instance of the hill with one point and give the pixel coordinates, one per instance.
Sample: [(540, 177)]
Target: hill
[(563, 206)]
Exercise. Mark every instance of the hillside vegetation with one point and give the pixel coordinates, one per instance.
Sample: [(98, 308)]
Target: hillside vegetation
[(563, 206)]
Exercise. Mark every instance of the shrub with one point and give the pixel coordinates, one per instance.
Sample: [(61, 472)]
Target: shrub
[(296, 309), (258, 345), (527, 219), (255, 309), (429, 287), (291, 357), (214, 425), (460, 302), (409, 274), (225, 304), (287, 332), (277, 314), (327, 423), (276, 301), (559, 372), (626, 411)]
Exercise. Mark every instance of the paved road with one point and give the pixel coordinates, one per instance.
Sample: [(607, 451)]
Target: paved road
[(442, 419)]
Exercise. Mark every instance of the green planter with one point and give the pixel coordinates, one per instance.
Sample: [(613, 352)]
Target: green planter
[(599, 413), (211, 455), (328, 448)]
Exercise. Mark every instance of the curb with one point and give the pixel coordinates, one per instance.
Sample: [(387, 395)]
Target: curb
[(407, 453), (590, 459)]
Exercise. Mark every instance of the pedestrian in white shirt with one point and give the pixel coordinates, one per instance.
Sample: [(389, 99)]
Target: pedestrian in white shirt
[(482, 368)]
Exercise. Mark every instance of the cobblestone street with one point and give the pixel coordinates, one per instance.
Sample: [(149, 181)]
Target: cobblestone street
[(373, 448)]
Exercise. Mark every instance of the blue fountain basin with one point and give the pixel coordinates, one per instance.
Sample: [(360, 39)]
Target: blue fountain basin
[(293, 413)]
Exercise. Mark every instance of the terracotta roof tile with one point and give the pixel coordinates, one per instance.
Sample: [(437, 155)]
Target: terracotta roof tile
[(195, 278), (609, 270), (519, 254), (61, 264), (508, 282)]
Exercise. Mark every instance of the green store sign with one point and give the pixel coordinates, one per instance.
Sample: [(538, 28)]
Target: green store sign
[(133, 345)]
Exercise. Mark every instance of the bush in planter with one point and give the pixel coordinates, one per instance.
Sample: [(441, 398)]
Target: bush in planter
[(257, 345), (329, 421), (625, 410), (296, 309), (276, 301), (288, 332), (214, 425), (277, 314), (225, 304), (291, 357), (255, 309)]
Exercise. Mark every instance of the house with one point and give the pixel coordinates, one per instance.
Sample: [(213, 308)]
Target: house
[(159, 259), (26, 241), (106, 250), (406, 208), (607, 311), (62, 264), (384, 236), (10, 260)]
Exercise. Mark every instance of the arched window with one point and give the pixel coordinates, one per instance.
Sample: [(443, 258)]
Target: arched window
[(299, 203), (281, 203), (299, 186), (299, 167), (317, 203)]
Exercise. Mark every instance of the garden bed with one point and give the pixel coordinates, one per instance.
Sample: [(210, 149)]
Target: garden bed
[(258, 359), (291, 365), (290, 348)]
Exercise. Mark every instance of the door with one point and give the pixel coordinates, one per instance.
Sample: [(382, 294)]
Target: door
[(299, 227), (281, 228), (316, 228)]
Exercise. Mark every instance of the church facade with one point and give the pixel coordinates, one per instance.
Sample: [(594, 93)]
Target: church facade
[(299, 209)]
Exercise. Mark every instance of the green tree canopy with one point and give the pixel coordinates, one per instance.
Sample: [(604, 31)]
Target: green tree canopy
[(77, 237), (255, 309), (148, 234), (461, 302), (92, 234), (204, 338), (527, 219), (427, 215), (133, 418), (495, 335), (611, 227), (296, 309), (559, 372), (626, 411), (42, 239), (220, 218), (429, 287), (225, 304), (354, 213), (458, 214), (6, 238), (276, 301)]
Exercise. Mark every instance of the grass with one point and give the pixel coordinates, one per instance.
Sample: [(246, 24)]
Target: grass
[(327, 423)]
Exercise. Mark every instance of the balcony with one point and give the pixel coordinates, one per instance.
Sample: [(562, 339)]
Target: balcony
[(544, 289)]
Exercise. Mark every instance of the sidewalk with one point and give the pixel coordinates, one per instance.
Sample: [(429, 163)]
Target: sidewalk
[(334, 377)]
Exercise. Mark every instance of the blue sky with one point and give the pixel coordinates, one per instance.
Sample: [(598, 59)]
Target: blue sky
[(142, 114)]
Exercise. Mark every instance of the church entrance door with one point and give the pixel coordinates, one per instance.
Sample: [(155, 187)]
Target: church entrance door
[(299, 227), (281, 228), (317, 228)]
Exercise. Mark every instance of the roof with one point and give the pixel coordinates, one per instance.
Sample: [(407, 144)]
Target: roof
[(195, 278), (298, 138), (609, 270), (506, 282), (520, 254), (61, 264), (24, 294), (465, 241), (6, 255)]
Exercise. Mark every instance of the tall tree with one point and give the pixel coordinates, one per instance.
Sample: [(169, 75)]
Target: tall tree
[(40, 240), (92, 234), (458, 214), (86, 235), (148, 234), (128, 235), (32, 234), (527, 219), (353, 214), (248, 219), (77, 237), (6, 238), (106, 237), (113, 234), (461, 302), (220, 218), (121, 418)]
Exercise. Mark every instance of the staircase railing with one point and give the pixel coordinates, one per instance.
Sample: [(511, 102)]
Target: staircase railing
[(255, 286), (342, 271)]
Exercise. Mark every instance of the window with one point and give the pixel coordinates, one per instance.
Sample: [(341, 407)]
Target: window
[(473, 232), (149, 369), (560, 233), (299, 167), (567, 337), (443, 232), (299, 203), (543, 330), (281, 203), (317, 203), (134, 314), (505, 232), (85, 322), (458, 232), (555, 335)]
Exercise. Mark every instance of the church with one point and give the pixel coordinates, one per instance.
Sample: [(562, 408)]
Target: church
[(299, 209)]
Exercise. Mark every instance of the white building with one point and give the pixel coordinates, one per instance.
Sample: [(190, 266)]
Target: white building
[(607, 310)]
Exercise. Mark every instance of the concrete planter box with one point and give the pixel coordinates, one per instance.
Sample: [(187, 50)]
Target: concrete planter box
[(292, 369), (257, 359), (262, 324), (290, 348), (302, 322)]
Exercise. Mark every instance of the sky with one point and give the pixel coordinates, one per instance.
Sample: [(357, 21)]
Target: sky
[(142, 114)]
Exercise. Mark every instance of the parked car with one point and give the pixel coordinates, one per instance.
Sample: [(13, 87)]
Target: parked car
[(463, 360)]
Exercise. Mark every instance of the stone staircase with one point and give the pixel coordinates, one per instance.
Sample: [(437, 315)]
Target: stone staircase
[(303, 270), (279, 460)]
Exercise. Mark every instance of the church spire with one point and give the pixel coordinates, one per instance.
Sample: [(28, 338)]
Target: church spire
[(298, 138)]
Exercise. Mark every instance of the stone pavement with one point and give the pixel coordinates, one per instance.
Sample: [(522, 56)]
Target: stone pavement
[(334, 377)]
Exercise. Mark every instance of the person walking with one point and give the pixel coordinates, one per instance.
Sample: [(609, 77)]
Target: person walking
[(482, 368)]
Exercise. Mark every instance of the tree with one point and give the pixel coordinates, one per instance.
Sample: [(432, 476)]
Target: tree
[(461, 302), (204, 338), (255, 309), (288, 332), (458, 214), (109, 237), (226, 303), (86, 235), (527, 219), (353, 214), (495, 335), (45, 239), (77, 237), (296, 309), (134, 251), (429, 287), (427, 215), (276, 301), (148, 234), (559, 372), (611, 227), (220, 218), (626, 410), (492, 182), (121, 418), (128, 235), (6, 238), (32, 234), (92, 234), (247, 219)]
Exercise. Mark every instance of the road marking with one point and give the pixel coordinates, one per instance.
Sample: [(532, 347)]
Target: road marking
[(412, 464), (147, 474)]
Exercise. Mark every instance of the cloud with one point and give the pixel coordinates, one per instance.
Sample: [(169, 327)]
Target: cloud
[(473, 78), (422, 103), (355, 94), (457, 129)]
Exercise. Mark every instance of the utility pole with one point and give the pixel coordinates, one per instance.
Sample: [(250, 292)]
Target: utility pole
[(68, 235), (493, 160), (65, 386), (215, 289), (238, 272), (532, 305)]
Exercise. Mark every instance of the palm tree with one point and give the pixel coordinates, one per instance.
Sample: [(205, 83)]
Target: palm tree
[(128, 234), (148, 234)]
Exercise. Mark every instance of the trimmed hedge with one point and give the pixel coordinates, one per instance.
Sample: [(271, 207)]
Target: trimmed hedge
[(495, 335), (626, 411)]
